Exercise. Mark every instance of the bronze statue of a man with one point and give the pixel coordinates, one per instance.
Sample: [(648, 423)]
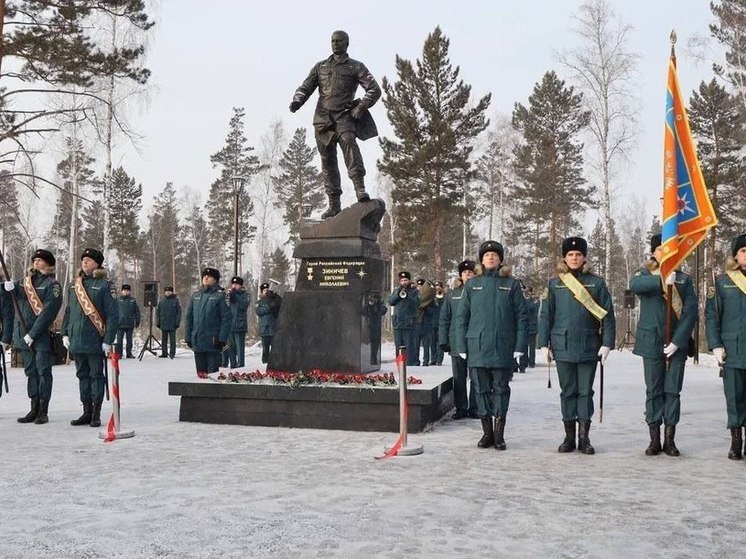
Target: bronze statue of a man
[(339, 118)]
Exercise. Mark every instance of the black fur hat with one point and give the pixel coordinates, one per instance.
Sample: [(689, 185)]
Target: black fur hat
[(212, 272), (655, 242), (491, 246), (737, 244), (93, 254), (45, 255), (466, 265), (574, 243)]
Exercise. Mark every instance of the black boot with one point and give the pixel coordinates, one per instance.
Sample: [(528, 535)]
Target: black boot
[(84, 419), (335, 206), (32, 414), (96, 414), (669, 446), (568, 445), (500, 433), (488, 439), (584, 441), (735, 444), (654, 448), (43, 416), (359, 184)]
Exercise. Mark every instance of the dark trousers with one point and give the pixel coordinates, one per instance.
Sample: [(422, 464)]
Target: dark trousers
[(120, 335), (38, 368), (408, 338), (89, 368), (531, 353), (460, 373), (266, 346), (168, 343), (734, 386), (235, 356), (663, 388), (493, 391), (576, 389), (207, 361), (329, 166), (425, 341), (436, 354)]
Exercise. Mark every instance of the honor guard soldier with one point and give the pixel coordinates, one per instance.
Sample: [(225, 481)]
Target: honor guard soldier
[(239, 300), (268, 310), (88, 331), (39, 298), (168, 319), (6, 318), (129, 319), (726, 337), (208, 323), (663, 366), (490, 332), (465, 407), (577, 329), (406, 302)]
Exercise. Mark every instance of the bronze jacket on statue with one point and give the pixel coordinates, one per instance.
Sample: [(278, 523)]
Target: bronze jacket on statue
[(337, 81)]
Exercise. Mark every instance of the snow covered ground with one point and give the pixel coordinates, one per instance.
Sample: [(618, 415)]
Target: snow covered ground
[(187, 490)]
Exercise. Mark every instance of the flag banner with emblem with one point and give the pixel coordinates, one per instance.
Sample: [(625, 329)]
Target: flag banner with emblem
[(687, 210)]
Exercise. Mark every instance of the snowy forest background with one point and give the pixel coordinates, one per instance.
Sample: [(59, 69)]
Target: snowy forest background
[(451, 176)]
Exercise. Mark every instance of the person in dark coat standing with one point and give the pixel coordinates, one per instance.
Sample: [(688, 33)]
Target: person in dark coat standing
[(490, 334), (168, 319), (339, 118), (465, 406), (577, 328), (129, 319), (268, 310), (532, 310), (7, 312), (39, 298), (440, 297), (238, 300), (208, 323), (726, 337), (406, 302), (663, 364), (88, 331)]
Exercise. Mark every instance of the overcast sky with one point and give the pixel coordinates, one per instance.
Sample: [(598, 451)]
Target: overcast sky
[(209, 57)]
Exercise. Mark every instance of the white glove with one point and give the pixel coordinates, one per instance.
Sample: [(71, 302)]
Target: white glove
[(28, 339), (517, 355), (719, 353), (670, 349), (603, 353), (66, 342), (462, 356), (6, 347), (9, 285), (547, 354), (106, 348), (671, 278)]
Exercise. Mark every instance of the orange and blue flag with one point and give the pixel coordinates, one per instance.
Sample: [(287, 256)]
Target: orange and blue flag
[(687, 210)]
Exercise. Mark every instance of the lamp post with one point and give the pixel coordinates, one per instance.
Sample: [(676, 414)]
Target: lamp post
[(238, 183)]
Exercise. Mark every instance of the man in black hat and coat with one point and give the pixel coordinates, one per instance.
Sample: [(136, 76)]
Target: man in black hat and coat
[(129, 319), (39, 298), (208, 323), (267, 308), (168, 319), (406, 302)]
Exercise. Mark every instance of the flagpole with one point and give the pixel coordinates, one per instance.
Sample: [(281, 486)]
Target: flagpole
[(669, 288)]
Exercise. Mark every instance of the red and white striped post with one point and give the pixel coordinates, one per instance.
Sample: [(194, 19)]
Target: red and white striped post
[(400, 447), (113, 430)]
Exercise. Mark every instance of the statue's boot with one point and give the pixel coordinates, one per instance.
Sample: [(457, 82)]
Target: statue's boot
[(359, 184), (335, 206)]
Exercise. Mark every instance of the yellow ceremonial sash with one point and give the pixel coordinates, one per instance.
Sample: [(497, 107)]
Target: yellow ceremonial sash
[(582, 295), (739, 279), (89, 309), (32, 296)]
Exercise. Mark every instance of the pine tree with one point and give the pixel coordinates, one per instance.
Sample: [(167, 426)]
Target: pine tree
[(550, 192), (276, 267), (717, 125), (124, 205), (234, 160), (12, 238), (194, 237), (92, 231), (299, 188), (163, 252), (429, 160), (730, 31)]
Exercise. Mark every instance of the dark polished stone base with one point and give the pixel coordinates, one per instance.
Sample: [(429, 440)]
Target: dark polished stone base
[(315, 407)]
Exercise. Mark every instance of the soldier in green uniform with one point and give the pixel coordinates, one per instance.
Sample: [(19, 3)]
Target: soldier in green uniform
[(39, 298), (208, 323), (490, 332), (239, 301), (532, 310), (6, 318), (440, 297), (726, 337), (129, 319), (168, 319), (406, 302), (88, 331), (576, 328), (663, 366), (465, 407), (267, 308)]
